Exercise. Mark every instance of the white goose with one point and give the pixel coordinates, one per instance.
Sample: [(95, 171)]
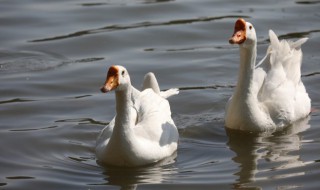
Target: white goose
[(142, 132), (270, 95)]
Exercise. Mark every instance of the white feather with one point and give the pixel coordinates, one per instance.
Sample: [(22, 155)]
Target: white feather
[(144, 134), (273, 95)]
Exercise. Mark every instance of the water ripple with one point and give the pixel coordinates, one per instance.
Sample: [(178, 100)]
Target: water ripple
[(298, 34), (33, 129), (218, 47), (82, 121), (307, 2), (137, 25), (16, 100), (12, 61), (311, 74), (217, 86), (124, 3), (20, 177)]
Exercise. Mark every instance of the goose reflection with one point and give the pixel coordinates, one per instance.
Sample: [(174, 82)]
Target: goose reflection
[(258, 154), (130, 178)]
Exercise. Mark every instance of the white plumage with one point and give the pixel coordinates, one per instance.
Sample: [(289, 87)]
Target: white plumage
[(142, 132), (269, 95)]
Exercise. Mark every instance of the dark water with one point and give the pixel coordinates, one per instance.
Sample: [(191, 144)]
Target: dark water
[(53, 59)]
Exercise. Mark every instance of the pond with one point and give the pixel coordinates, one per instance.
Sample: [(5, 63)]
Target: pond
[(54, 56)]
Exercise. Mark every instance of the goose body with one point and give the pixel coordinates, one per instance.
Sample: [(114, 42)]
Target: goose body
[(142, 132), (269, 95)]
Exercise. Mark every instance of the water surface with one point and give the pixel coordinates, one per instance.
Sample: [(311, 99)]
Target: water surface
[(54, 56)]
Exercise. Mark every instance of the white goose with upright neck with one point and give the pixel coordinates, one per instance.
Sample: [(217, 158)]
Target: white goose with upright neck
[(142, 132), (270, 95)]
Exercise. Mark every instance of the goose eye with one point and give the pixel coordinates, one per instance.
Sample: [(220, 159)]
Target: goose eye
[(123, 72), (250, 27)]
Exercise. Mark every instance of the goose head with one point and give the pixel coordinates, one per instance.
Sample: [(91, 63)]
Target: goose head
[(244, 33), (117, 79)]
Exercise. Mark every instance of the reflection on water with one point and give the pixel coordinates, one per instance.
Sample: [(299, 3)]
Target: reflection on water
[(129, 178), (262, 156)]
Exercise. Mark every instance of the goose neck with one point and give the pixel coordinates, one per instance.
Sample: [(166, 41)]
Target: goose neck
[(247, 65), (123, 107)]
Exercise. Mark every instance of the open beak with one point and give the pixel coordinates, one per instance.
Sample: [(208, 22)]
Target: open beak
[(239, 34)]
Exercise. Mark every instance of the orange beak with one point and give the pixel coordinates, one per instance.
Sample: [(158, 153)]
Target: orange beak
[(239, 34), (112, 81)]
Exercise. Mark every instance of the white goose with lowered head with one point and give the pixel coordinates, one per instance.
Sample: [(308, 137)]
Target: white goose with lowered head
[(270, 95), (142, 132)]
